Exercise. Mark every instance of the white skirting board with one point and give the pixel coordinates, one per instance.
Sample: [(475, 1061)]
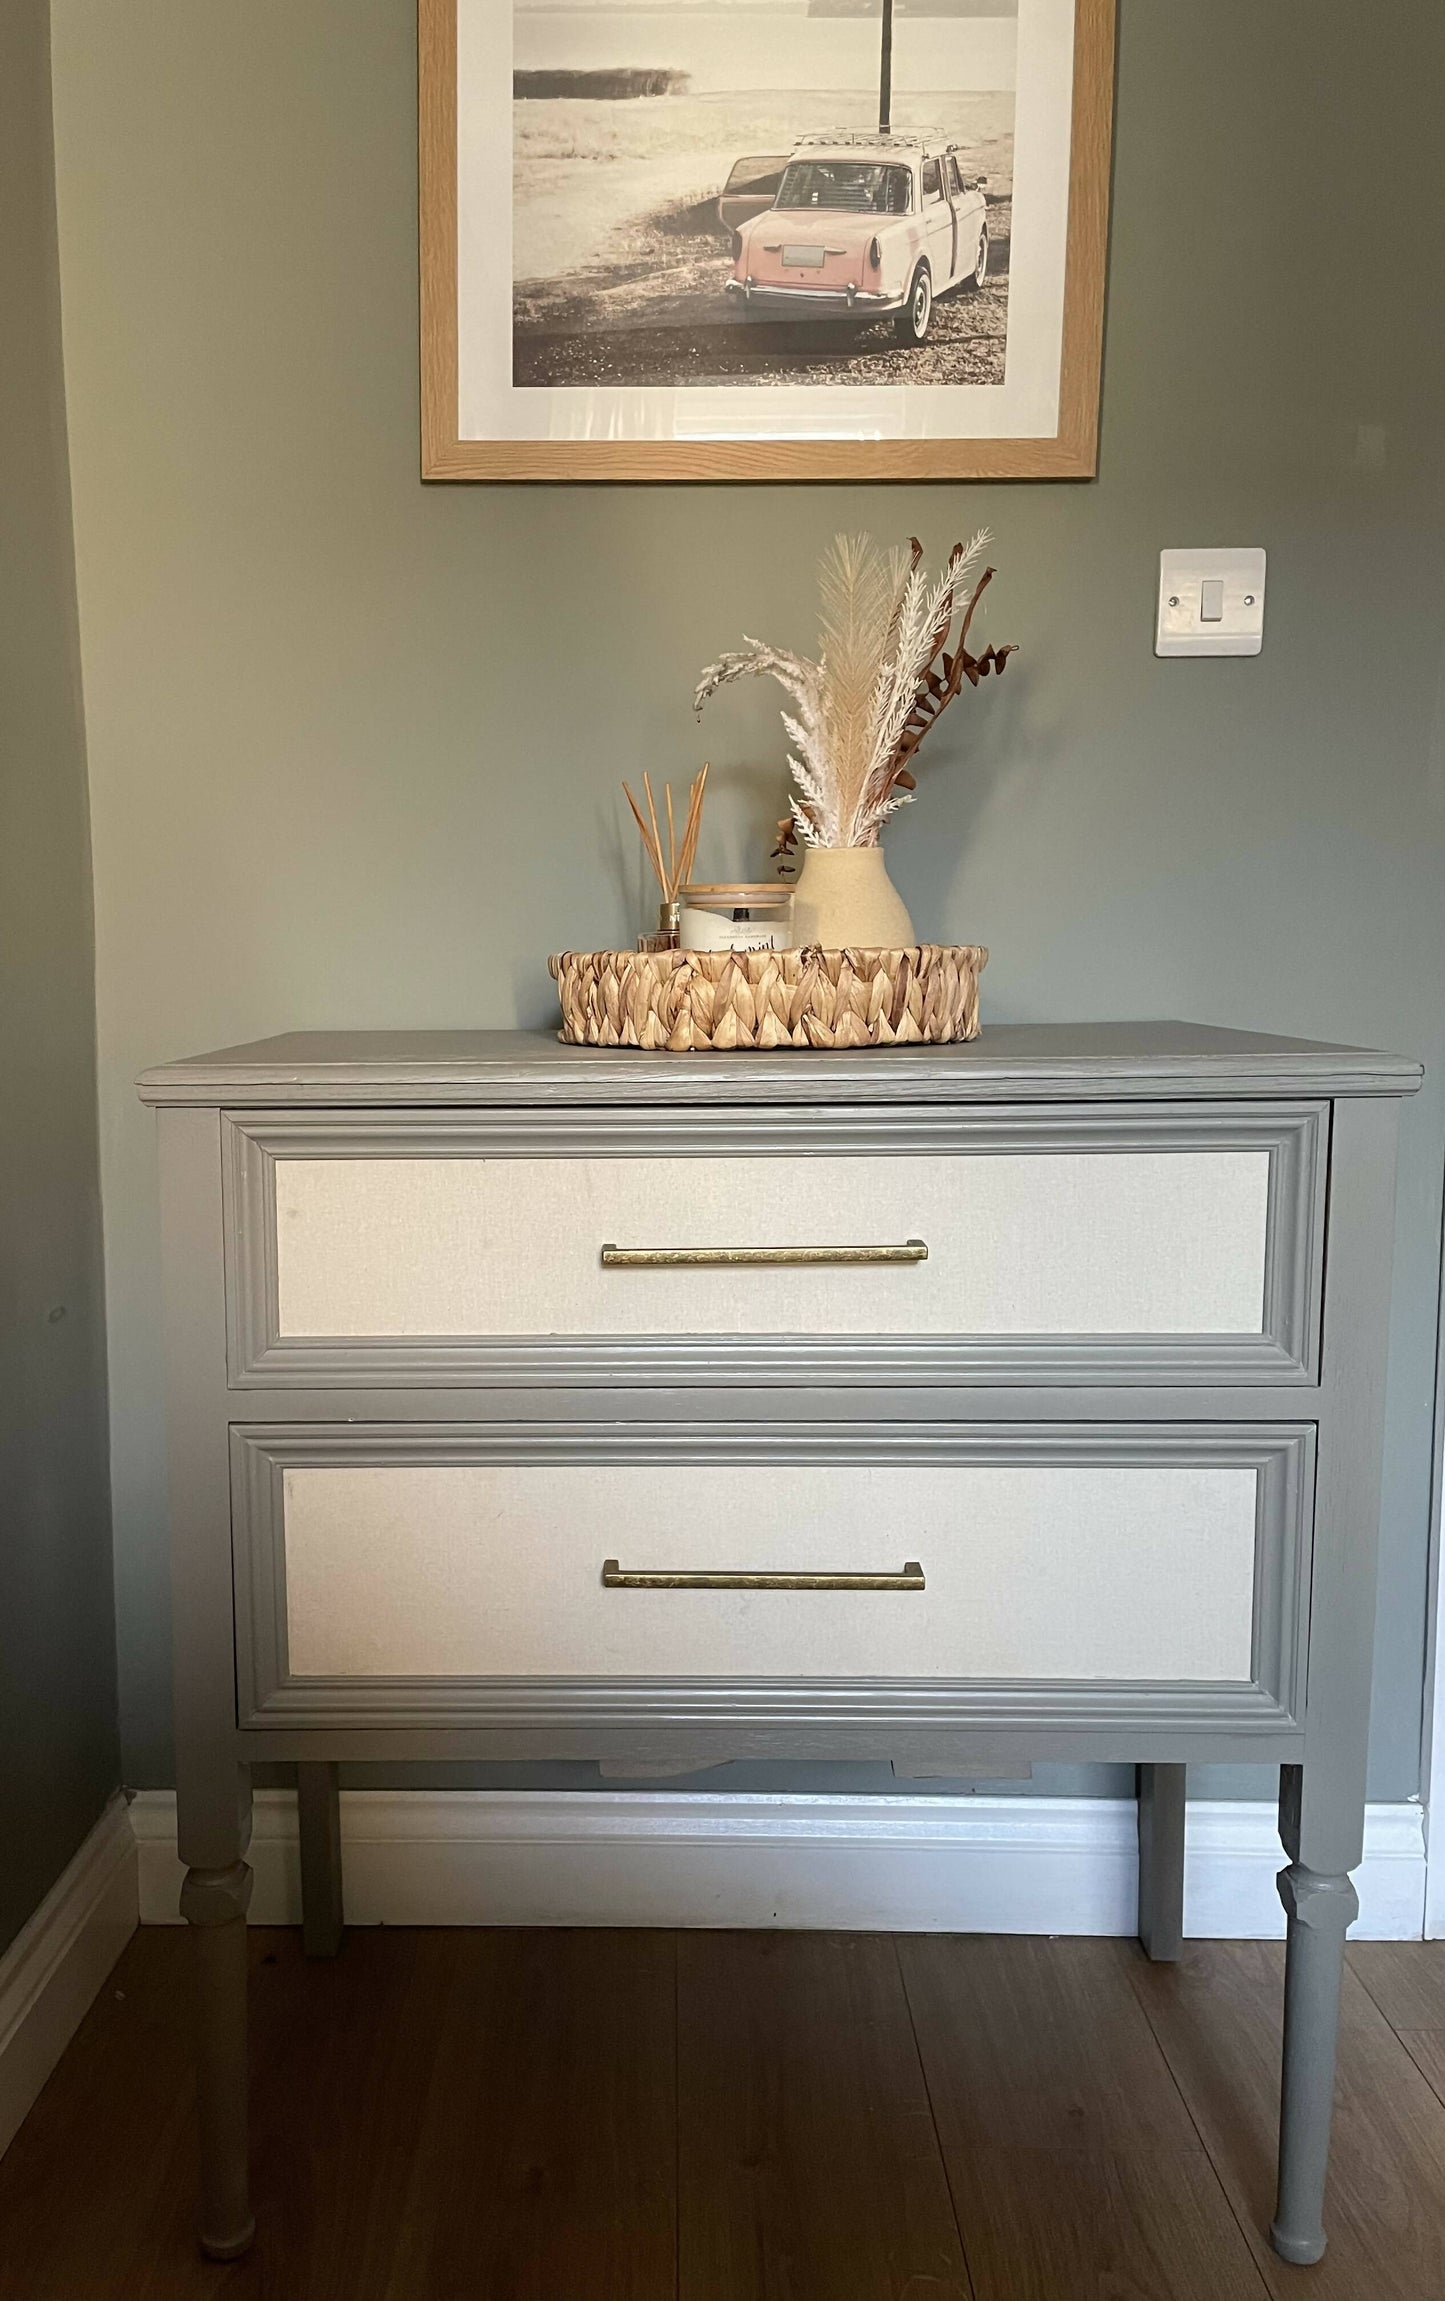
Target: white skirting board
[(893, 1864), (59, 1960)]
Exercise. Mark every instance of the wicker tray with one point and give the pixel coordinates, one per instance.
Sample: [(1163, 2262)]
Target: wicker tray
[(687, 1002)]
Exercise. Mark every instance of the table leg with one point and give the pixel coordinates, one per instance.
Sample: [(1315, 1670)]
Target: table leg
[(1320, 1906), (1161, 1860), (213, 1903), (318, 1815)]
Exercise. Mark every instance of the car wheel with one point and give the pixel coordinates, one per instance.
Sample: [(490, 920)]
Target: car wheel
[(912, 323), (979, 273)]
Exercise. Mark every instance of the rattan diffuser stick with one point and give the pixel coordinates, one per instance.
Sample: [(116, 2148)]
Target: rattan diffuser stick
[(675, 868)]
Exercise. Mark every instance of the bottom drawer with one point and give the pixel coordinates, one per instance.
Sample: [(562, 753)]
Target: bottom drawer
[(1047, 1554)]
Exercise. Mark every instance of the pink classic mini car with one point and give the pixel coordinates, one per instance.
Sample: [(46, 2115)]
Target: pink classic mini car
[(861, 226)]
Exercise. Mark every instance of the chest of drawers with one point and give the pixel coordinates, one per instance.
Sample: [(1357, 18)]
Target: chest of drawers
[(965, 1406)]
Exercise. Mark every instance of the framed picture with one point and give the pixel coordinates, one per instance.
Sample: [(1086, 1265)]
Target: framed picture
[(763, 239)]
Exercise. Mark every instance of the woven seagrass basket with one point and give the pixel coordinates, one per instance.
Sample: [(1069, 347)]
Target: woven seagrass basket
[(687, 1002)]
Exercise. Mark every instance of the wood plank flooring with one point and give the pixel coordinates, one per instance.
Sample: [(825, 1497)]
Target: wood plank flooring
[(608, 2116), (1075, 2166)]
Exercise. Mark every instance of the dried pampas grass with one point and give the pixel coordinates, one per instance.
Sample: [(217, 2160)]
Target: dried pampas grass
[(883, 677)]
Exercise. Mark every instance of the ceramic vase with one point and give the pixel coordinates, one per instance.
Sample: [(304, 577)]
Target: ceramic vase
[(845, 899)]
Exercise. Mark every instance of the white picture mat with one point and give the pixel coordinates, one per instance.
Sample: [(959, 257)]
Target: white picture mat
[(1024, 406)]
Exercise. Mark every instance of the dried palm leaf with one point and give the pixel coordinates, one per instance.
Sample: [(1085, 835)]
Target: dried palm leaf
[(857, 594)]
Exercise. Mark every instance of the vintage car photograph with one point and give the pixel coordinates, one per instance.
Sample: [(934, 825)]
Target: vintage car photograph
[(734, 192), (862, 228)]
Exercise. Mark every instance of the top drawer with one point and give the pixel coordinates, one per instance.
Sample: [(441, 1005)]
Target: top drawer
[(1073, 1246)]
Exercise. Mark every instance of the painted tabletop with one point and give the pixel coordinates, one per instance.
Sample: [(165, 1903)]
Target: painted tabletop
[(1011, 1062)]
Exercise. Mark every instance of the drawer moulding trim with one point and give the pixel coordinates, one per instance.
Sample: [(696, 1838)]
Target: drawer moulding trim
[(922, 1863), (1272, 1703), (1286, 1350)]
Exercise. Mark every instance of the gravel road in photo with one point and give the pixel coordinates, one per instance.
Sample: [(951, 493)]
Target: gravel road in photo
[(965, 344)]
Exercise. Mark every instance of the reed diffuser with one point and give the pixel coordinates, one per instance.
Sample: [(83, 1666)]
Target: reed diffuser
[(674, 868)]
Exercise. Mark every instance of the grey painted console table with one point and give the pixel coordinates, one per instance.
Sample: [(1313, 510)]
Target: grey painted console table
[(974, 1405)]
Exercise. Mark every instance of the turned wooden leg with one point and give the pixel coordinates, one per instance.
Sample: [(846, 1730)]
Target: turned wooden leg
[(318, 1815), (1161, 1860), (213, 1904), (1319, 1912)]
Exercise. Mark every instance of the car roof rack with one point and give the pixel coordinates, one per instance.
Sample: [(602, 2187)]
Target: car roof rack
[(865, 140), (911, 143)]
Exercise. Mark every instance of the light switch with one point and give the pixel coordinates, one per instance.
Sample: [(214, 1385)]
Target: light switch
[(1211, 602)]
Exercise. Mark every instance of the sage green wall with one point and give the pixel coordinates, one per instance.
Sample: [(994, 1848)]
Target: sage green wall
[(57, 1650), (355, 743)]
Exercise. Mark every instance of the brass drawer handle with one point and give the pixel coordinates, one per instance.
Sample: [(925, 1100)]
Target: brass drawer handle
[(725, 1257), (613, 1578)]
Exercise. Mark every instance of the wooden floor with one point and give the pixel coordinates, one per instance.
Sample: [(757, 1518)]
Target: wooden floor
[(590, 2116)]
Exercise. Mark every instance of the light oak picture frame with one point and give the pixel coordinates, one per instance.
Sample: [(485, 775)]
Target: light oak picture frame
[(1068, 451)]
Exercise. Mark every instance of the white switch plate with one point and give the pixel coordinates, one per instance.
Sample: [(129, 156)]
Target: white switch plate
[(1239, 630)]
